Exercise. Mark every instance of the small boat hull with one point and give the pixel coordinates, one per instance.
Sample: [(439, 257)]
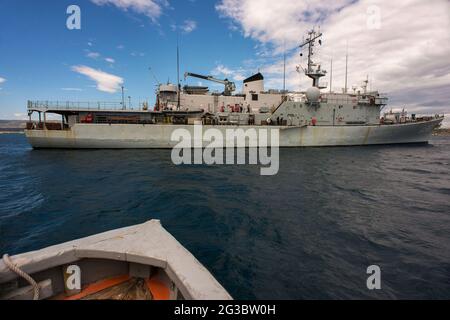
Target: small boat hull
[(143, 257)]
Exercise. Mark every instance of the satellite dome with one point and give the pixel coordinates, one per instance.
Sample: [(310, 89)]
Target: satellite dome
[(313, 94)]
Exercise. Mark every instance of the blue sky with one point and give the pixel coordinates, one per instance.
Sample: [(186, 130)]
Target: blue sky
[(403, 46), (37, 51)]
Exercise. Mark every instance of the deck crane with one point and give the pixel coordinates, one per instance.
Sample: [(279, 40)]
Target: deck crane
[(229, 86)]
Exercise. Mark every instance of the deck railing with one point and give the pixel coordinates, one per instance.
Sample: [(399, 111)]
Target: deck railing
[(84, 105)]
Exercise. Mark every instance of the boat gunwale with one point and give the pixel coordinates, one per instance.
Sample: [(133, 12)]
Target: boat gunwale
[(192, 279)]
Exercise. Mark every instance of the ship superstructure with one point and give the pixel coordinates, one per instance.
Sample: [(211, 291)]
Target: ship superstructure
[(253, 98), (308, 118)]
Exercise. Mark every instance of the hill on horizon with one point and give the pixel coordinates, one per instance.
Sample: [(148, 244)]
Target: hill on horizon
[(12, 125)]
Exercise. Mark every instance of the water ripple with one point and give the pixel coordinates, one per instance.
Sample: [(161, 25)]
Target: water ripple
[(307, 233)]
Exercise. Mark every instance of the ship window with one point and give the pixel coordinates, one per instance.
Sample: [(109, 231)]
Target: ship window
[(254, 97)]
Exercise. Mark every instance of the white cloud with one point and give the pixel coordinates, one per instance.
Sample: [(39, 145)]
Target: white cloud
[(120, 46), (93, 55), (96, 55), (105, 82), (221, 70), (407, 57), (21, 116), (2, 80), (235, 74), (239, 77), (278, 21), (151, 8), (188, 26)]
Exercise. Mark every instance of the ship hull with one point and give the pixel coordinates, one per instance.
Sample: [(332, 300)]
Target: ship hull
[(133, 136)]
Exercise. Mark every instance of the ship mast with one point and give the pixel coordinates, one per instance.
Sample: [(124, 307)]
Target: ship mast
[(331, 75), (313, 70), (346, 69), (178, 76), (284, 68)]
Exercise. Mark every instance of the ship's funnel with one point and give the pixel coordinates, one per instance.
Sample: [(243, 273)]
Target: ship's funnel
[(254, 84)]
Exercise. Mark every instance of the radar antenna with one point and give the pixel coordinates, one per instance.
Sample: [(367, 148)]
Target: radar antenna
[(313, 70)]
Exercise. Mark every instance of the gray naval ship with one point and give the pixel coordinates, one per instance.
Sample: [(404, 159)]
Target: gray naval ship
[(302, 119)]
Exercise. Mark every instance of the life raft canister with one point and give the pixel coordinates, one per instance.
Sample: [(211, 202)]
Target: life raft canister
[(89, 118)]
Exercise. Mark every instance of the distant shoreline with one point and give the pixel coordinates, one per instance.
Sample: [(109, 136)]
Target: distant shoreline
[(12, 126), (441, 132), (12, 132)]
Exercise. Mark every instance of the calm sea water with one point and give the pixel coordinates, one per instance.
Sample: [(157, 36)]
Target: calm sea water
[(309, 232)]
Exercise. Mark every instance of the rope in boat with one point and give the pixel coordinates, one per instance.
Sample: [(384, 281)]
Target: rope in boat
[(18, 271)]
